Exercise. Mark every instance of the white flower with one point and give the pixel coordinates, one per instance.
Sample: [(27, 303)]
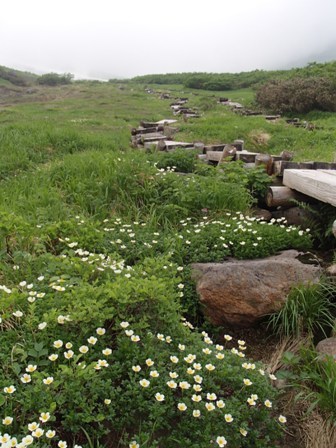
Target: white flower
[(28, 440), (144, 383), (83, 349), (38, 433), (184, 385), (68, 354), (107, 351), (25, 378), (44, 417), (33, 426), (18, 313), (31, 368), (7, 421), (100, 331), (9, 389), (92, 340), (42, 325), (48, 380), (159, 397), (134, 444), (210, 367), (221, 441), (50, 434), (181, 407), (58, 343), (282, 419)]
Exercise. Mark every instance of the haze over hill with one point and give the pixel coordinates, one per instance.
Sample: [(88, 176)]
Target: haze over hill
[(124, 39)]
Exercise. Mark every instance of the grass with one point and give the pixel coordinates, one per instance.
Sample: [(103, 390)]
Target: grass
[(66, 162)]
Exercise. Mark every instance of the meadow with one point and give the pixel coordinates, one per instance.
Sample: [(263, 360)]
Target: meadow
[(103, 341)]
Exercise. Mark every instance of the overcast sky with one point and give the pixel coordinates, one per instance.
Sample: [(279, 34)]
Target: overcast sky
[(112, 38)]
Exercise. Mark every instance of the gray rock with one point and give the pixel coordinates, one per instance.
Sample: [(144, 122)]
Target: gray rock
[(327, 347)]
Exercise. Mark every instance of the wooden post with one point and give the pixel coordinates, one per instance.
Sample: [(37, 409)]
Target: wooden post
[(266, 161), (228, 153)]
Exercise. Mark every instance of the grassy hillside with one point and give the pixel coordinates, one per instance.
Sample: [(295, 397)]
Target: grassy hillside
[(233, 81), (16, 77), (103, 340)]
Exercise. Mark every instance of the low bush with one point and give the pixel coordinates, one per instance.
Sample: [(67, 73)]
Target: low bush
[(91, 336), (298, 95)]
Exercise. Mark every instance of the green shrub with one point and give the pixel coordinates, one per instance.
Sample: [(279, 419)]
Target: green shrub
[(298, 95), (54, 79)]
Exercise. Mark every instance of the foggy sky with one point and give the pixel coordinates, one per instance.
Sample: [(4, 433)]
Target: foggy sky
[(124, 38)]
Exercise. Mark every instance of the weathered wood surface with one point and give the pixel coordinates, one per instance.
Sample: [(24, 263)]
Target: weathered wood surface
[(280, 166), (246, 156), (266, 161), (214, 156), (166, 121), (173, 145), (281, 196), (324, 166), (153, 138), (319, 184)]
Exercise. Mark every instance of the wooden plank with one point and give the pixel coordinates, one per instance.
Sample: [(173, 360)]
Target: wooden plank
[(246, 156), (324, 166), (280, 166), (214, 156), (166, 121), (173, 145), (154, 138), (331, 172), (320, 185)]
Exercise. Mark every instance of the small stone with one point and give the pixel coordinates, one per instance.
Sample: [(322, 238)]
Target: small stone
[(327, 347), (331, 270)]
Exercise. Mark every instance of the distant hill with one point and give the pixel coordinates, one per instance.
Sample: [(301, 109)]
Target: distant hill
[(11, 77), (232, 81)]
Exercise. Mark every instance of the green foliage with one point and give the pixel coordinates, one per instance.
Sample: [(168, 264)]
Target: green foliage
[(308, 309), (314, 377), (54, 79), (17, 77), (180, 160), (71, 266), (78, 363), (298, 95), (233, 81)]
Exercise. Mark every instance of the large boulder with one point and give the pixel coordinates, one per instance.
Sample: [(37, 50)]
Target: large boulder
[(240, 292)]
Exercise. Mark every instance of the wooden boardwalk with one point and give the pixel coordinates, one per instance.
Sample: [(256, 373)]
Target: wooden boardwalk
[(318, 184)]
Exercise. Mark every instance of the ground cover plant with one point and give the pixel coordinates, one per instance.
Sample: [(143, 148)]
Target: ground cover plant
[(101, 338), (80, 331)]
